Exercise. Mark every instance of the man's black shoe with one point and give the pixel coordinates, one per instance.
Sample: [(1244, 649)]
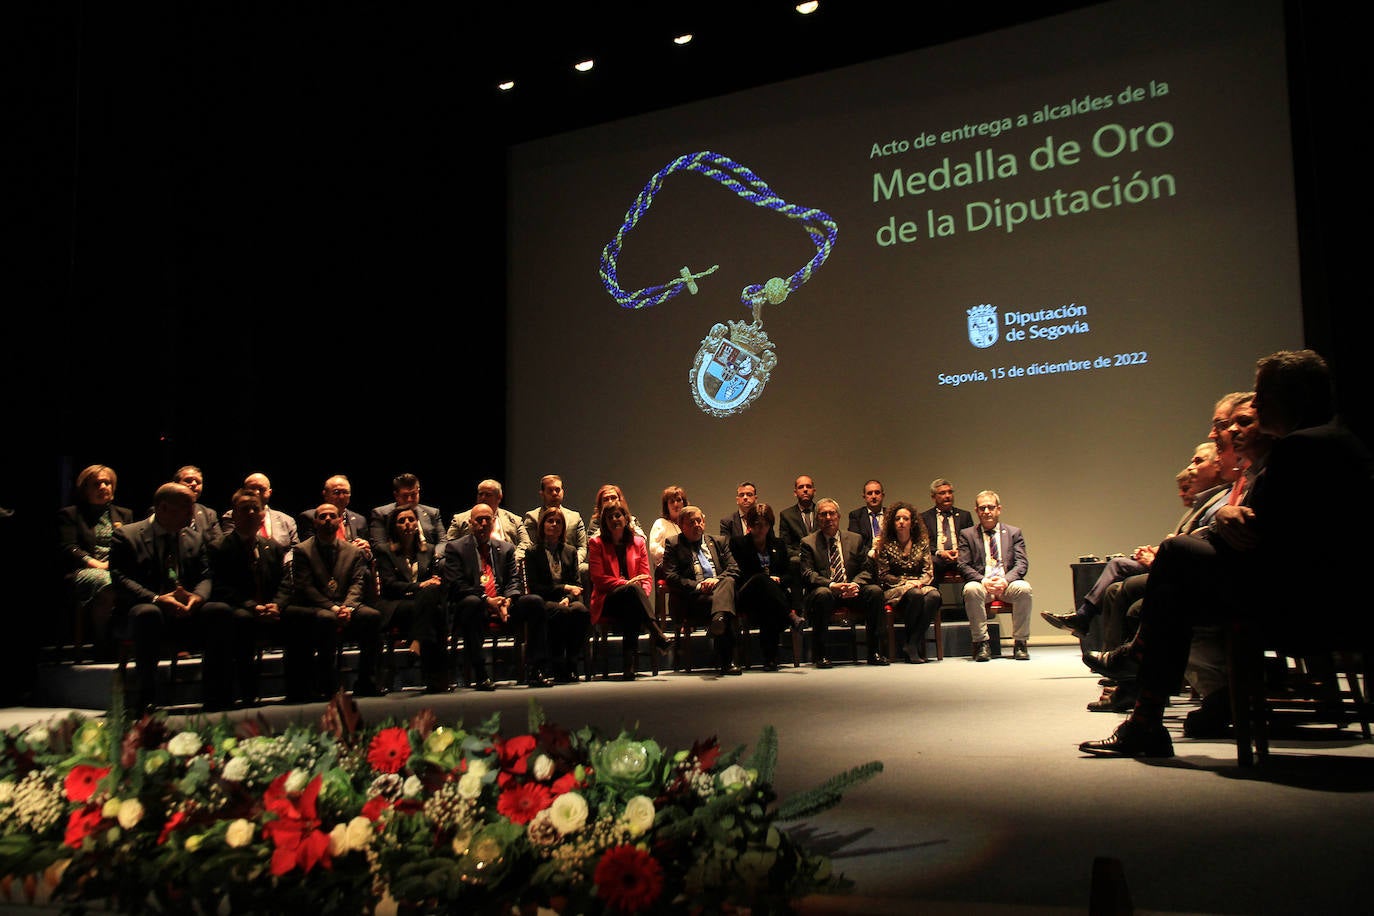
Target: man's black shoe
[(1020, 652), (1114, 664), (486, 685), (823, 662), (982, 653), (877, 658), (1076, 624), (1133, 739)]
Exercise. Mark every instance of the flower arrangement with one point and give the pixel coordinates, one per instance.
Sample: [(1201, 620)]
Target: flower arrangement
[(411, 817)]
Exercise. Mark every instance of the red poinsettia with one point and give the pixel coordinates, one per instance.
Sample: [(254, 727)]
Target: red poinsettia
[(173, 823), (390, 750), (628, 879), (374, 807), (81, 781), (83, 822), (295, 833), (513, 755), (521, 803)]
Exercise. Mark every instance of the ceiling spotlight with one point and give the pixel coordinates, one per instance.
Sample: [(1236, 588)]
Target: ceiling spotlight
[(683, 39), (584, 66), (506, 86), (808, 7)]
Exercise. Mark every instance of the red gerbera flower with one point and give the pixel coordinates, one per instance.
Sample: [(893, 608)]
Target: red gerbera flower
[(81, 781), (82, 824), (628, 879), (522, 803), (390, 750)]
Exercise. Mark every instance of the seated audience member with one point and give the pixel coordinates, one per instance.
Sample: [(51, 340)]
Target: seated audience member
[(867, 520), (327, 601), (794, 524), (551, 574), (607, 492), (507, 526), (405, 492), (161, 574), (763, 589), (338, 492), (620, 581), (735, 524), (665, 526), (85, 530), (276, 525), (482, 581), (1314, 462), (993, 562), (905, 572), (248, 574), (1184, 480), (203, 518), (413, 595), (837, 571), (551, 494), (701, 573), (944, 522)]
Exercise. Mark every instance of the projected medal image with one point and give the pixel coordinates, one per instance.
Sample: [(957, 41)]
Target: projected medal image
[(734, 362)]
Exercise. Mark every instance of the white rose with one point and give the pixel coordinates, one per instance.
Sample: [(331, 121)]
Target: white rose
[(359, 833), (543, 767), (297, 780), (412, 786), (477, 768), (184, 744), (239, 834), (338, 840), (568, 813), (236, 770), (734, 775), (639, 814), (469, 785), (130, 813)]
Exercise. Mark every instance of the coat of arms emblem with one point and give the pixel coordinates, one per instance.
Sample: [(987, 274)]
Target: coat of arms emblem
[(982, 326), (731, 368)]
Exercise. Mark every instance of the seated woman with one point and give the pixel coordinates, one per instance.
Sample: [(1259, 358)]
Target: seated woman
[(619, 567), (666, 526), (610, 491), (551, 573), (84, 531), (412, 595), (905, 572), (763, 595)]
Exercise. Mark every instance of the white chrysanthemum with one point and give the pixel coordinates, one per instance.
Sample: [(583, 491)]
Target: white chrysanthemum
[(236, 770), (639, 814), (297, 780), (543, 767), (568, 813), (184, 744), (469, 785), (412, 786), (359, 833), (734, 775), (130, 813), (239, 834)]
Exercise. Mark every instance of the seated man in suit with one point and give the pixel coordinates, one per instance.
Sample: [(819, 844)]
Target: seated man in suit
[(249, 575), (993, 561), (867, 520), (944, 522), (203, 518), (405, 491), (161, 574), (701, 574), (794, 524), (327, 600), (482, 581), (836, 572), (734, 525), (276, 524), (338, 492), (507, 526), (551, 495)]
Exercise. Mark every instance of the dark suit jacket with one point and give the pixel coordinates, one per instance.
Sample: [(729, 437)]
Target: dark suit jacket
[(76, 530), (859, 524), (463, 568), (431, 524), (539, 578), (792, 528), (357, 525), (815, 560), (241, 580), (312, 577), (732, 526), (679, 562), (962, 519), (1010, 545), (397, 581), (747, 559), (139, 573)]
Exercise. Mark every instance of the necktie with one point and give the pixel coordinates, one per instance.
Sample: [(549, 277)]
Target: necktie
[(806, 517), (488, 574), (875, 519), (993, 551), (836, 561), (946, 533), (170, 561), (708, 571), (1237, 490)]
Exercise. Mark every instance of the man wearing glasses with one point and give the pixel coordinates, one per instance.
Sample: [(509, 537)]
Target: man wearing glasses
[(992, 560)]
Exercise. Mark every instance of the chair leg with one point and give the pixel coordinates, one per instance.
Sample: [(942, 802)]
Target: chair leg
[(939, 638)]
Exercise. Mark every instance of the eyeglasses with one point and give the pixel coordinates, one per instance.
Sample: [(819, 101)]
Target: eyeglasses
[(987, 508), (324, 516)]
